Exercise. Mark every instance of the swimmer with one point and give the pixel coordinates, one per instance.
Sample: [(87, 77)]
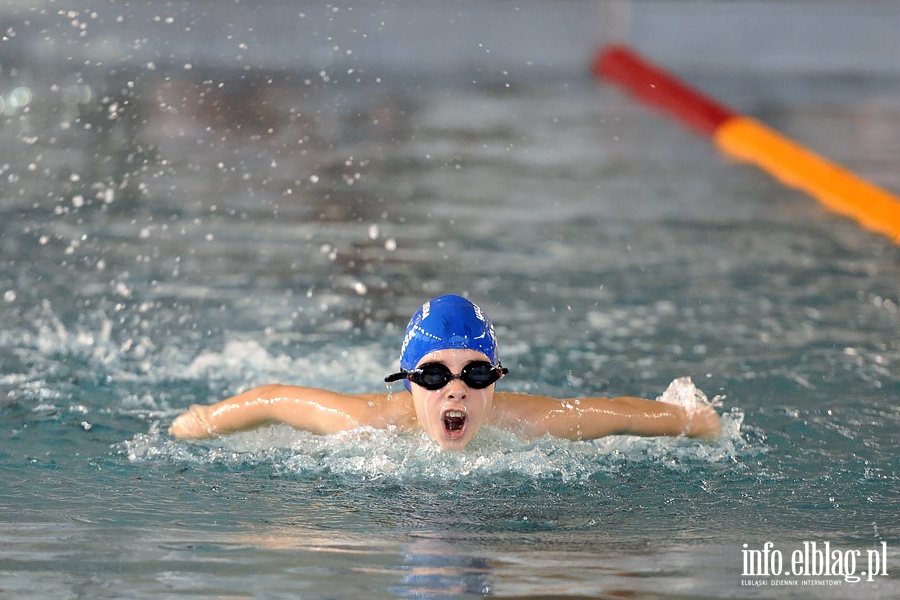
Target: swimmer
[(449, 366)]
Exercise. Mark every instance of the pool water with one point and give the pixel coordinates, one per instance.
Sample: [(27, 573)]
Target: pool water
[(176, 236)]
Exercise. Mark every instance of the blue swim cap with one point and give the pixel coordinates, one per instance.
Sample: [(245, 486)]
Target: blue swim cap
[(447, 322)]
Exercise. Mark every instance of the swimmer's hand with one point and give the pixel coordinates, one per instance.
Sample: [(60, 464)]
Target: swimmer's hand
[(192, 425), (702, 421)]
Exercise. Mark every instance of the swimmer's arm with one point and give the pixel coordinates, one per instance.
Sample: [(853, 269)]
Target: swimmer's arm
[(310, 409), (590, 418)]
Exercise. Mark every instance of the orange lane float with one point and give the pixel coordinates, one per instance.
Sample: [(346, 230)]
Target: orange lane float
[(749, 140)]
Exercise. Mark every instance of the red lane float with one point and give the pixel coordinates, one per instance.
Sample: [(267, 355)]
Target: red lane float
[(749, 140)]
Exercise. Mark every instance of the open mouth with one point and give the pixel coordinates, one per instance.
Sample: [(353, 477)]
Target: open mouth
[(454, 423)]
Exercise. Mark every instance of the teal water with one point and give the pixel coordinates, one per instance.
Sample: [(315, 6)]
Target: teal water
[(165, 243)]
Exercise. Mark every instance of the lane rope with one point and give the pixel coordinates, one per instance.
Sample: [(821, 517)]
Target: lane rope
[(746, 139)]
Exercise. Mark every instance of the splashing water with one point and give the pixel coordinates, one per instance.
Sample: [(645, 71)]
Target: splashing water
[(370, 454)]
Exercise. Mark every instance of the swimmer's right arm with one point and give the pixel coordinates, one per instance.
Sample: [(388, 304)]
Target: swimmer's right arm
[(310, 409), (591, 418)]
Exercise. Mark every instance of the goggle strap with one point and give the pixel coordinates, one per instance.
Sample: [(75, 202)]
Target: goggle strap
[(397, 376)]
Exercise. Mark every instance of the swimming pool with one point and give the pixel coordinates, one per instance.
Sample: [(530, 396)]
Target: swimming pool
[(174, 235)]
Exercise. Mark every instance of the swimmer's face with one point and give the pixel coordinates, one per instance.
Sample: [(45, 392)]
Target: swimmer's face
[(453, 414)]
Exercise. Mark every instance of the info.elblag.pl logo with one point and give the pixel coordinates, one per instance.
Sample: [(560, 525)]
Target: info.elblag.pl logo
[(813, 563)]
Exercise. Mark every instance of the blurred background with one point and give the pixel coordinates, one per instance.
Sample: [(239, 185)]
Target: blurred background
[(461, 38)]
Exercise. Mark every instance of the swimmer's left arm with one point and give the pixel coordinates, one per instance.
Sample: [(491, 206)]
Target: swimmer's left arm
[(590, 418)]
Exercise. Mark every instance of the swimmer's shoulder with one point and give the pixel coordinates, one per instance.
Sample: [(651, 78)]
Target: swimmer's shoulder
[(394, 409), (514, 409), (510, 400)]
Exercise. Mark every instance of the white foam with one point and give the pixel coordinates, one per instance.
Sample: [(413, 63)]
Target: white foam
[(248, 363), (236, 357), (683, 392)]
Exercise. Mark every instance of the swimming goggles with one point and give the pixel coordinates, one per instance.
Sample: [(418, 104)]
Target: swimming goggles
[(433, 376)]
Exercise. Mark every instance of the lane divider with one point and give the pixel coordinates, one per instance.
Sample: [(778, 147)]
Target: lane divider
[(749, 140)]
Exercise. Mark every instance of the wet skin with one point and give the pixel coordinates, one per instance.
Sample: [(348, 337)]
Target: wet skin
[(453, 414)]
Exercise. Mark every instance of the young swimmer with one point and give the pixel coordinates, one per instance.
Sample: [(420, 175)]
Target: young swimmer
[(449, 365)]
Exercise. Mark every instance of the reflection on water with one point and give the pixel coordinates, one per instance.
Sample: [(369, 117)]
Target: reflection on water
[(438, 570)]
